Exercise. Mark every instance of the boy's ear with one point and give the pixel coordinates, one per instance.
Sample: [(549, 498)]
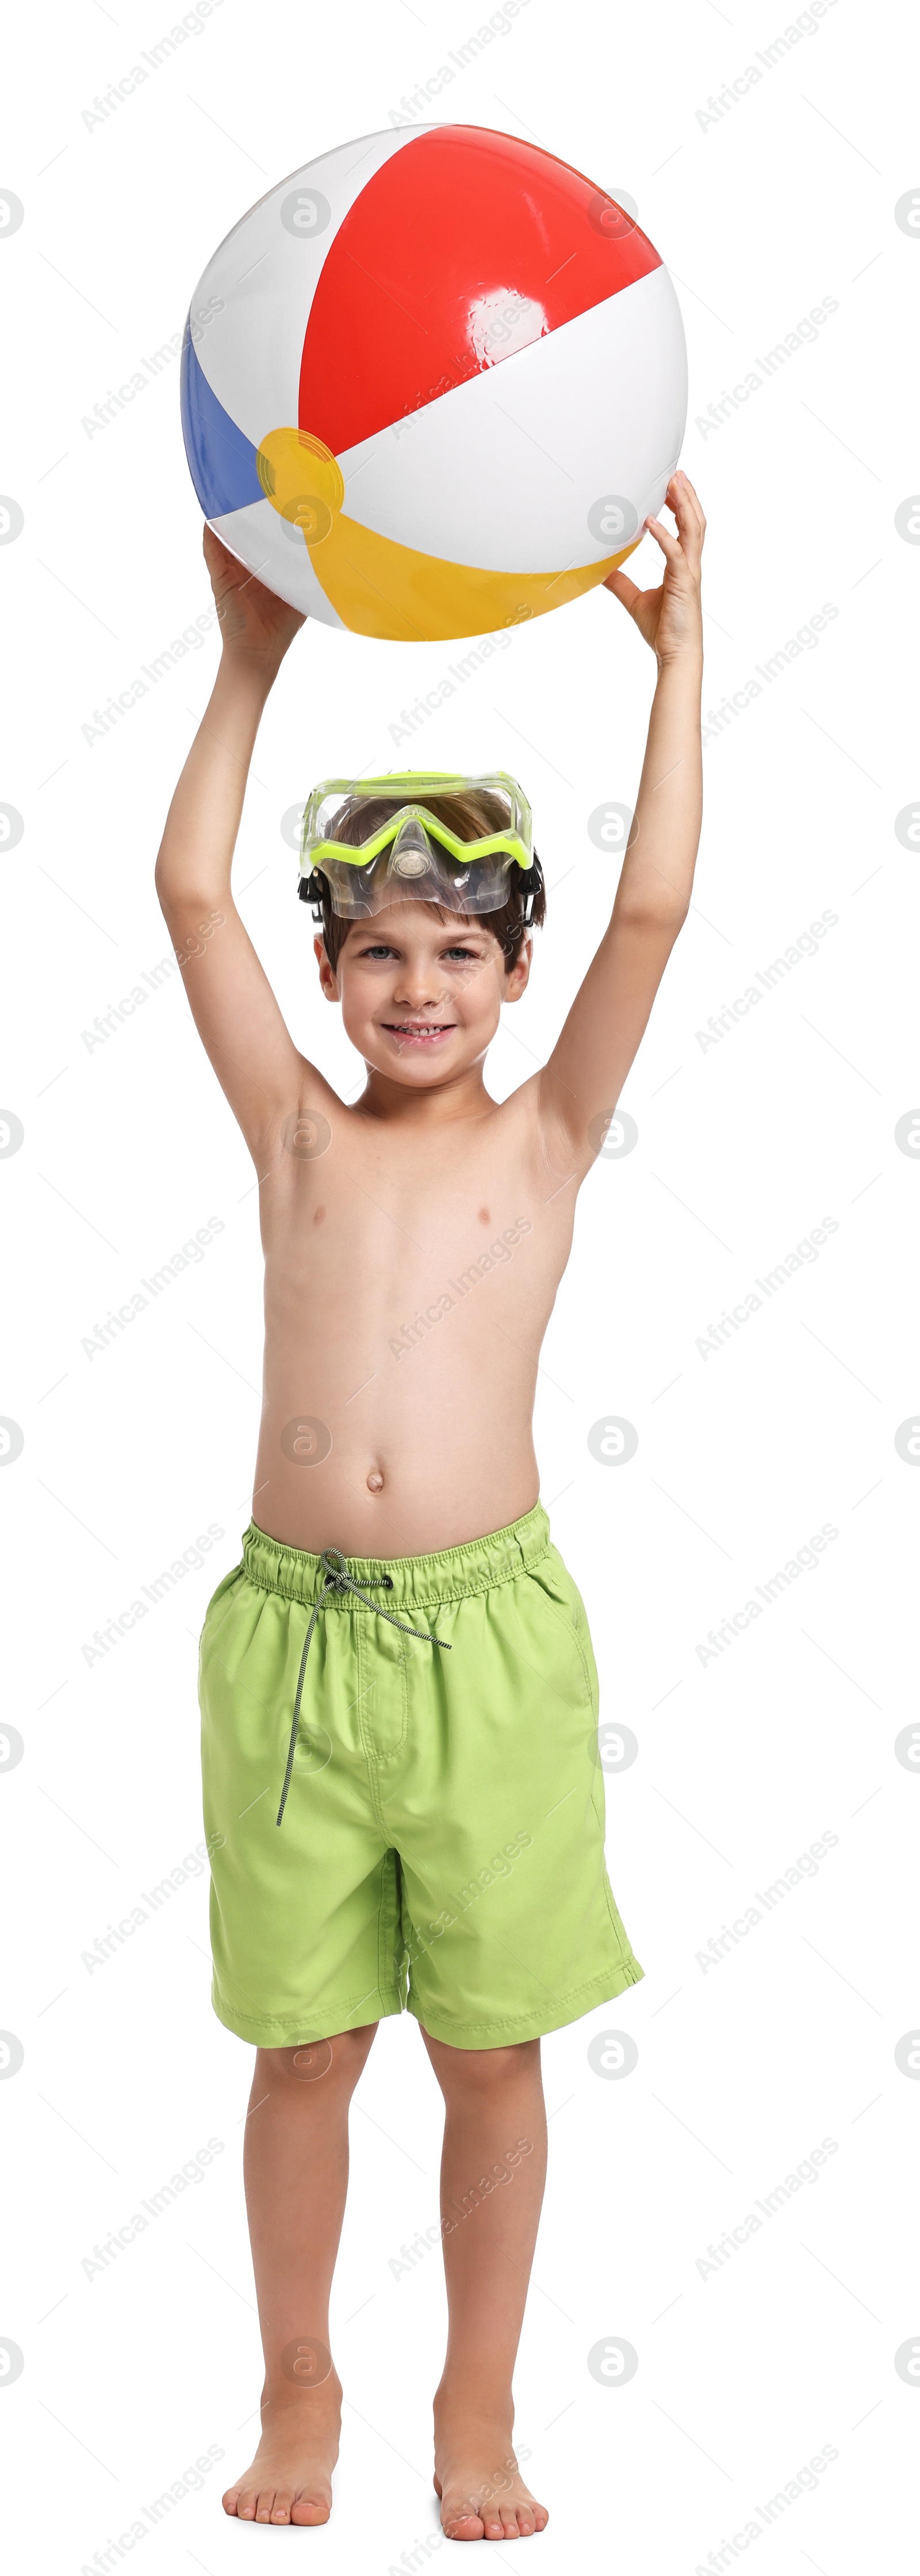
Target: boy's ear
[(327, 976), (518, 975)]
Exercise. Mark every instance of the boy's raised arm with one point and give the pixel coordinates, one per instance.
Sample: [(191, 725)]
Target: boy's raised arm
[(585, 1073), (232, 1003)]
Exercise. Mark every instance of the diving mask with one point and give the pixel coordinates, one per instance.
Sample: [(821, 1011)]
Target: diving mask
[(399, 850)]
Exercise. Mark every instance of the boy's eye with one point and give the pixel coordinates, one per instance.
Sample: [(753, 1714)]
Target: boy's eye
[(380, 948)]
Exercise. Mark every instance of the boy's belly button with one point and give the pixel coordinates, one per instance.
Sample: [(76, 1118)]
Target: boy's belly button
[(375, 1481)]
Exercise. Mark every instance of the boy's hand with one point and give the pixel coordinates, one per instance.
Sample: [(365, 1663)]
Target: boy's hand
[(670, 619), (251, 619)]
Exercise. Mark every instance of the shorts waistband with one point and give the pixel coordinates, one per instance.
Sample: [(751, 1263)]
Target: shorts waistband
[(415, 1582)]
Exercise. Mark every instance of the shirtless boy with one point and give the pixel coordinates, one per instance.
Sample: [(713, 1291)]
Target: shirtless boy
[(398, 1689)]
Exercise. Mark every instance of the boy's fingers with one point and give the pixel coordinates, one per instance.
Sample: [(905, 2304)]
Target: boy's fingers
[(623, 589), (217, 556), (684, 550), (670, 546), (691, 545), (688, 512), (689, 492)]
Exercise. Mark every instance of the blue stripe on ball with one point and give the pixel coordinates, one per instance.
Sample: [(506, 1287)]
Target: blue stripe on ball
[(222, 462)]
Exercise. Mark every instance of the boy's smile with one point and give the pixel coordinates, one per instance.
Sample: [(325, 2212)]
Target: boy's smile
[(420, 1032)]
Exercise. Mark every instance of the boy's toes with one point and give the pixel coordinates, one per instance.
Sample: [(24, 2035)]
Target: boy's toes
[(230, 2500), (465, 2524), (519, 2522), (281, 2509), (494, 2524), (308, 2509), (264, 2502)]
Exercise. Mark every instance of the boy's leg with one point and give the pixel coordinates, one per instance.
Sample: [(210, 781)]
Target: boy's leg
[(494, 2110), (296, 2171)]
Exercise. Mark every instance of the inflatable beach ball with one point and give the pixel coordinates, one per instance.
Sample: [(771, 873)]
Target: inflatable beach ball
[(432, 384)]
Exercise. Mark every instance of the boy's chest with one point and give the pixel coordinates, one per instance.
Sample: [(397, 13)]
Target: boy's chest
[(378, 1235)]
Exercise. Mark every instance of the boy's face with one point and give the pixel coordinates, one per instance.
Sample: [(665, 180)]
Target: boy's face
[(421, 997)]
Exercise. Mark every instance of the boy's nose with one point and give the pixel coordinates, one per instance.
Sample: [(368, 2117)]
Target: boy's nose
[(418, 989)]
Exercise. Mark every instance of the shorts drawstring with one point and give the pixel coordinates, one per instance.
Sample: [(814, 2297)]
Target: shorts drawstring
[(338, 1579)]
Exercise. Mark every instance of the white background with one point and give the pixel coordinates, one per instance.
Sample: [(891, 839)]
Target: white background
[(745, 2372)]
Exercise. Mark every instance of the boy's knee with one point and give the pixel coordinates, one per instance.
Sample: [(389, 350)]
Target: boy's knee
[(336, 2060), (485, 2070)]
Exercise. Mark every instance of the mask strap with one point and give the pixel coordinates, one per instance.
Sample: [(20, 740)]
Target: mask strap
[(531, 882)]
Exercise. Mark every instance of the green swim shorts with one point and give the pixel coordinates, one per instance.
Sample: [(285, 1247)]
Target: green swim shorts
[(428, 1730)]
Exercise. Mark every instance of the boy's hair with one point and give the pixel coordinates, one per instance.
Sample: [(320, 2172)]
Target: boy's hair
[(471, 816)]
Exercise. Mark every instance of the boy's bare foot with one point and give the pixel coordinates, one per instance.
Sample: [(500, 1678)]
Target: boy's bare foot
[(483, 2495), (291, 2476)]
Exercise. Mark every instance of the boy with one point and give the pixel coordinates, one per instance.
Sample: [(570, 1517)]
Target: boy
[(401, 1663)]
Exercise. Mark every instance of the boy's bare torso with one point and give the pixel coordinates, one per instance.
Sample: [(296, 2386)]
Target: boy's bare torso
[(410, 1273)]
